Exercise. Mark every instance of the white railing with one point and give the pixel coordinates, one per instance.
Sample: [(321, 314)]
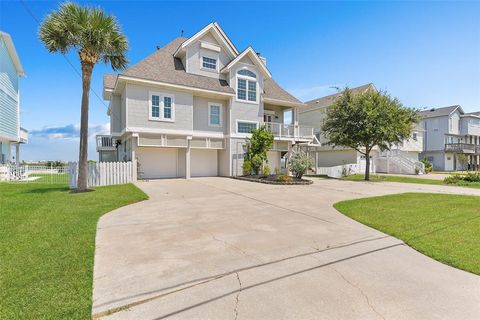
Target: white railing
[(395, 161), (105, 173), (23, 135), (289, 130), (106, 142), (35, 174)]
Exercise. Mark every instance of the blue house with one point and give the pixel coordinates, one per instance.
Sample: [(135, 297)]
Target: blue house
[(11, 134)]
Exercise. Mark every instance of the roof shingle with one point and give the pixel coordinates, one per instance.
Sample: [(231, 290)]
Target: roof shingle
[(329, 100), (162, 66), (437, 112)]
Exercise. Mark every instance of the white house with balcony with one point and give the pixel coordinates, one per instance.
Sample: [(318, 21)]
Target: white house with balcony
[(12, 135), (187, 109), (402, 158), (451, 132)]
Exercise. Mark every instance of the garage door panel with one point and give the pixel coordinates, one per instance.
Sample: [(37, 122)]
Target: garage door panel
[(157, 162), (204, 163)]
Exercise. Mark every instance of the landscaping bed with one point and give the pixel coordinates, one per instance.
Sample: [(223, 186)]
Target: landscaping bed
[(279, 179)]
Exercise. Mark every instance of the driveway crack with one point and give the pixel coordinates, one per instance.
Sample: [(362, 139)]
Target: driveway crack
[(235, 310), (359, 290)]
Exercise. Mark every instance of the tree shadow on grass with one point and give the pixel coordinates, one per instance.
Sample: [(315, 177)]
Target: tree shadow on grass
[(48, 189)]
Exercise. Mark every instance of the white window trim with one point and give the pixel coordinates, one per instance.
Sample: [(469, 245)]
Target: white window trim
[(242, 133), (210, 104), (239, 76), (210, 56), (161, 96)]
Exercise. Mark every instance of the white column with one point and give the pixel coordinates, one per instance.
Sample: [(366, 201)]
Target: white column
[(316, 162), (187, 159), (134, 156), (17, 153)]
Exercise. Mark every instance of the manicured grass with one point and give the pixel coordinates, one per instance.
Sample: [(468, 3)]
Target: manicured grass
[(384, 178), (444, 227), (47, 242)]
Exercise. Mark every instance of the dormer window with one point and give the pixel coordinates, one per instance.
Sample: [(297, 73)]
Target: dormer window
[(209, 63), (246, 85)]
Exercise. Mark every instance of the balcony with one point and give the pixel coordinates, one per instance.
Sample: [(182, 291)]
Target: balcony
[(472, 129), (23, 135), (106, 143), (289, 131), (460, 147)]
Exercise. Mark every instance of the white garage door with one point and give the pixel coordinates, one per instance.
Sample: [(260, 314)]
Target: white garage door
[(157, 162), (204, 163)]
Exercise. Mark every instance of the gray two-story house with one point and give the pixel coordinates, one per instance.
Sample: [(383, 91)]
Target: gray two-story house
[(188, 108), (449, 131), (11, 133)]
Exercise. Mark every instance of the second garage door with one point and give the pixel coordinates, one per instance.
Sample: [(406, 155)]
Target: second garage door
[(204, 163)]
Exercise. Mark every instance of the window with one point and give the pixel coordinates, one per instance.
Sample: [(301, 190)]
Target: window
[(242, 89), (415, 136), (155, 106), (167, 107), (161, 107), (214, 114), (245, 126), (248, 73), (246, 85), (209, 63)]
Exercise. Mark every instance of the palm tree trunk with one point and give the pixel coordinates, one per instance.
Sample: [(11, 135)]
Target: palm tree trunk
[(87, 69), (367, 165)]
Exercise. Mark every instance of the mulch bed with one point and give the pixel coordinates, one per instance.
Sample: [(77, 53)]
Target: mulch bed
[(273, 179)]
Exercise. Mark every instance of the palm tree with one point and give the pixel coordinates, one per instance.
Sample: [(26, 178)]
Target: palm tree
[(95, 36)]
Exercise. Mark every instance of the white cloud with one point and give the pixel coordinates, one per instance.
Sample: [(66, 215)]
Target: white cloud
[(61, 143)]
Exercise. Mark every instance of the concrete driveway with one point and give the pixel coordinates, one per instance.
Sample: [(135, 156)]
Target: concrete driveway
[(218, 248)]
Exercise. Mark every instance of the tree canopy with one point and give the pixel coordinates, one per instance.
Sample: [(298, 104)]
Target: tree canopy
[(365, 120)]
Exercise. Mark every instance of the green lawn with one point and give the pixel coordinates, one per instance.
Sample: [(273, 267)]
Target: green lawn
[(47, 241), (384, 178), (444, 227)]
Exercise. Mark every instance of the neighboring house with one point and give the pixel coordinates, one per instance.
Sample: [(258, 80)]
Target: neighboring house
[(187, 109), (402, 158), (450, 132), (11, 134)]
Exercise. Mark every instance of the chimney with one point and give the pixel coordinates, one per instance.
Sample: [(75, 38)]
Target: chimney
[(264, 60)]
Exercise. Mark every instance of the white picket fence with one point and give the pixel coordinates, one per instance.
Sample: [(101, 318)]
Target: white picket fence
[(338, 171), (104, 173)]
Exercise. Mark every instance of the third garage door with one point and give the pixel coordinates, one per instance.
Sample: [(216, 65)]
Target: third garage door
[(204, 163)]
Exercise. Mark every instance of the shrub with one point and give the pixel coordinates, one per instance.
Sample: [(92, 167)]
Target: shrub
[(284, 178), (417, 171), (472, 177), (454, 179), (299, 163), (266, 170), (427, 164), (257, 146), (277, 170), (247, 168)]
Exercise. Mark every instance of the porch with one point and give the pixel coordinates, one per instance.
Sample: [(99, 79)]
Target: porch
[(276, 118)]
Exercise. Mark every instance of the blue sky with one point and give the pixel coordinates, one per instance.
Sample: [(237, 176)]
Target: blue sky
[(425, 53)]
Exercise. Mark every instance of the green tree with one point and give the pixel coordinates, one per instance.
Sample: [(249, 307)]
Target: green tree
[(257, 146), (299, 163), (463, 160), (96, 37), (365, 120)]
